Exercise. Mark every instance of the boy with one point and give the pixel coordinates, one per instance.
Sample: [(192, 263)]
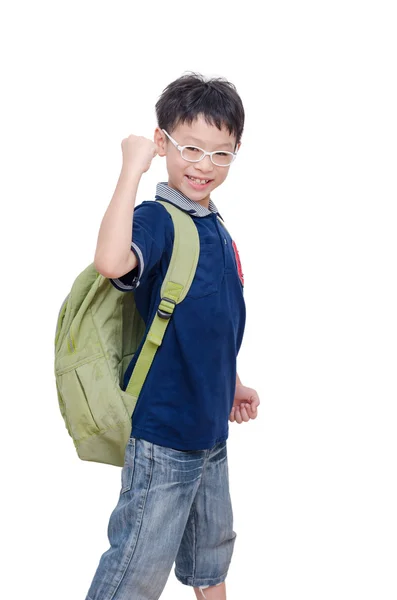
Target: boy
[(174, 503)]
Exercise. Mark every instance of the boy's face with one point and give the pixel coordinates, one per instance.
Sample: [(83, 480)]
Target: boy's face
[(209, 138)]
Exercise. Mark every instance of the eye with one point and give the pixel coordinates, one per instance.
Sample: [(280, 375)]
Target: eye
[(192, 149), (222, 153)]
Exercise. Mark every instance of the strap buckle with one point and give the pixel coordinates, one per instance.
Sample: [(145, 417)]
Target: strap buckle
[(165, 314)]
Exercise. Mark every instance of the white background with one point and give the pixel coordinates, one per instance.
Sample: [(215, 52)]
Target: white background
[(311, 205)]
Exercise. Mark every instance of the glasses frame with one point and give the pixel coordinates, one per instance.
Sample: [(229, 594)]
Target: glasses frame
[(205, 153)]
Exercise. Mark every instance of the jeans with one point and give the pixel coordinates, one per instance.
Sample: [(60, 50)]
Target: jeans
[(174, 506)]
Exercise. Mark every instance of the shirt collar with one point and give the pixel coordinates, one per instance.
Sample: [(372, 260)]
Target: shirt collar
[(165, 192)]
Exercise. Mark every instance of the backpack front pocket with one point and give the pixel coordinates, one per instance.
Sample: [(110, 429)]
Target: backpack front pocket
[(76, 408)]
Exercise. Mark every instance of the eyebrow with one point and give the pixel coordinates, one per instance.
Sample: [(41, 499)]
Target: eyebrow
[(229, 144)]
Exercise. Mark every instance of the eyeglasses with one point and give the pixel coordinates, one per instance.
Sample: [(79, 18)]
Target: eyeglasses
[(195, 154)]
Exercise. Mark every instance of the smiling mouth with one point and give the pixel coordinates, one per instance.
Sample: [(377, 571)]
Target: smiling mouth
[(199, 181)]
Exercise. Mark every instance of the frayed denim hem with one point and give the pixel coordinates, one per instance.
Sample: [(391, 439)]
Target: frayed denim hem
[(202, 582)]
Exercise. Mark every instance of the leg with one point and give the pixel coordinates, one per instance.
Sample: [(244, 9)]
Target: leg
[(145, 529), (217, 592), (207, 545)]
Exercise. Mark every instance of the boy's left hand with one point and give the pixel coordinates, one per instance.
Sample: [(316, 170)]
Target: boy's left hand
[(245, 405)]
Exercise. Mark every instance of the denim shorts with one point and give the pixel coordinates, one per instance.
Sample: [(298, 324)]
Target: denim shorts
[(174, 506)]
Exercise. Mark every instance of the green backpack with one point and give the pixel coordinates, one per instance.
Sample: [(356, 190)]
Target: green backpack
[(98, 332)]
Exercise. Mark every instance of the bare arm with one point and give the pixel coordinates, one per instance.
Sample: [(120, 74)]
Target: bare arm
[(113, 255)]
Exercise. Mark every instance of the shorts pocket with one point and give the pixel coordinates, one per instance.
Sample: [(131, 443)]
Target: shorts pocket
[(127, 472)]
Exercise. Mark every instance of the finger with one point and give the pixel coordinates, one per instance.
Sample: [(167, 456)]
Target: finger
[(255, 399), (254, 414), (237, 415), (255, 403), (232, 417), (251, 412), (244, 414), (254, 409)]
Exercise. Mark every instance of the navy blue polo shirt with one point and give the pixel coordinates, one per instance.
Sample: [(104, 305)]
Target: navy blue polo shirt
[(186, 399)]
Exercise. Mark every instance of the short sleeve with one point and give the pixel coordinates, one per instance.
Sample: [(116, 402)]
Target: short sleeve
[(151, 227)]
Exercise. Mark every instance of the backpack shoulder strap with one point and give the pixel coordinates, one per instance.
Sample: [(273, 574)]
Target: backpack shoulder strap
[(176, 284), (185, 253)]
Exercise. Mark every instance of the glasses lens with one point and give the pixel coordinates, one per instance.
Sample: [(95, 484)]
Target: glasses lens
[(192, 153), (222, 158)]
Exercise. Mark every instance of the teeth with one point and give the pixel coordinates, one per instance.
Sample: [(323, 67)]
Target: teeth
[(199, 180)]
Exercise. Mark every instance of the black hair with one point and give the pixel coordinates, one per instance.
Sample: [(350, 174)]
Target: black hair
[(192, 95)]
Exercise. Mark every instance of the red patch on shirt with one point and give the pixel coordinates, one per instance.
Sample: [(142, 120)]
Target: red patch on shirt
[(238, 261)]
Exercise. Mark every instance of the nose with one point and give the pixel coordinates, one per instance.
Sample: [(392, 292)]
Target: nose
[(205, 164)]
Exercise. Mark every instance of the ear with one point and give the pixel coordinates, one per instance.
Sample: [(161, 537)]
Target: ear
[(238, 147), (160, 140)]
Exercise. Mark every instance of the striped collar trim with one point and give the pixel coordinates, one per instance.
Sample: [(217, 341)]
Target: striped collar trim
[(165, 192)]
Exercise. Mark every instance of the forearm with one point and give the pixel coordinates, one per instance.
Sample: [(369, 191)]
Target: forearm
[(238, 381), (114, 237)]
